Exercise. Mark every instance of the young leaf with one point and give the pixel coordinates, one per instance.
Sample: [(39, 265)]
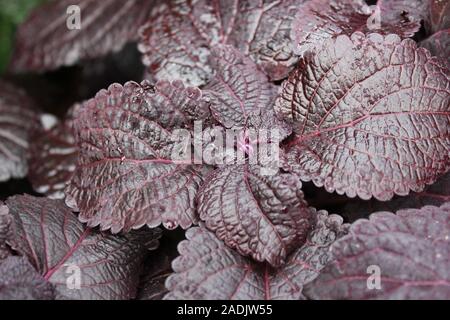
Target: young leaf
[(238, 88), (177, 40), (207, 269), (61, 248), (407, 251), (262, 30), (371, 116), (50, 37), (19, 281), (265, 217), (17, 121), (125, 176), (319, 20)]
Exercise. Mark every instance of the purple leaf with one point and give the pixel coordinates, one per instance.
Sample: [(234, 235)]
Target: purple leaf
[(53, 156), (439, 45), (208, 269), (262, 30), (319, 20), (177, 40), (19, 281), (405, 12), (5, 231), (409, 250), (238, 89), (176, 105), (265, 217), (57, 244), (105, 27), (439, 15), (371, 116), (17, 122), (125, 176), (436, 194)]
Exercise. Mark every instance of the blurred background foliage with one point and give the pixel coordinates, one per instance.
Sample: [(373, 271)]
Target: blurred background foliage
[(12, 13)]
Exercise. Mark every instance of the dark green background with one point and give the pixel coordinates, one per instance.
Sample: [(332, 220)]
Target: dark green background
[(12, 13)]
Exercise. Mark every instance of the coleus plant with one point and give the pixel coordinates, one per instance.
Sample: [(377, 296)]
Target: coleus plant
[(360, 108)]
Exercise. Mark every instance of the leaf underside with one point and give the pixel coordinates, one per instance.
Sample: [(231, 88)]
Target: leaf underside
[(17, 122), (19, 281), (51, 237), (53, 156)]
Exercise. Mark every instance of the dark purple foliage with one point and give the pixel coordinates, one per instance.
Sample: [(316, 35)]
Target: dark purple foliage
[(20, 281), (265, 217), (436, 195), (410, 249), (351, 101), (439, 18), (51, 237), (238, 89), (439, 44), (318, 20), (125, 177), (53, 156), (106, 26), (18, 119), (371, 116), (178, 38), (208, 269)]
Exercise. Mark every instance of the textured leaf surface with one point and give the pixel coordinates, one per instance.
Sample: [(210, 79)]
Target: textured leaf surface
[(261, 216), (436, 194), (125, 177), (371, 116), (208, 269), (439, 45), (319, 20), (238, 89), (5, 231), (52, 238), (410, 248), (263, 31), (177, 40), (17, 121), (53, 156), (19, 281), (106, 26)]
